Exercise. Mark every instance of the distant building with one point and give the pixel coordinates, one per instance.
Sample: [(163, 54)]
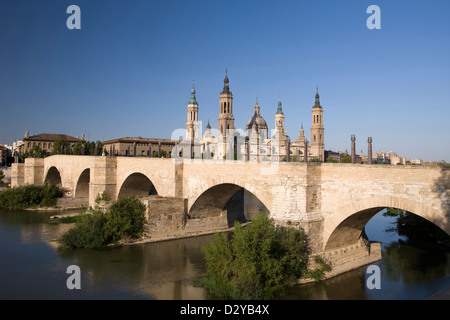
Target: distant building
[(415, 161), (45, 141), (398, 160), (138, 146), (16, 146), (256, 141), (339, 155), (5, 154)]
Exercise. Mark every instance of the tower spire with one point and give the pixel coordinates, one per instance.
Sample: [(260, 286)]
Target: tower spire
[(193, 100), (317, 103), (279, 110), (226, 88)]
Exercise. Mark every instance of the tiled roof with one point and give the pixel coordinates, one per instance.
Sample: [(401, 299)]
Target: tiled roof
[(51, 137), (139, 140)]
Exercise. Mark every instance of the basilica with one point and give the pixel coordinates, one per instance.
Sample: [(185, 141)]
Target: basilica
[(256, 143)]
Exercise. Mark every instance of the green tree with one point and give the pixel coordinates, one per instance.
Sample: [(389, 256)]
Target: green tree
[(34, 152), (61, 146), (258, 262), (87, 233), (28, 196), (89, 147), (347, 159), (125, 219), (155, 154), (330, 159), (94, 228), (77, 150)]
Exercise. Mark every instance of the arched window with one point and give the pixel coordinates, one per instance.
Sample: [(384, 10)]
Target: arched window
[(314, 138)]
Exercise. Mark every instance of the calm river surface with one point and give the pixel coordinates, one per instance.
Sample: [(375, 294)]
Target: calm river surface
[(31, 267)]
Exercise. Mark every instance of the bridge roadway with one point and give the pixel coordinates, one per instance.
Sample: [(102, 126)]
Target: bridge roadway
[(332, 202)]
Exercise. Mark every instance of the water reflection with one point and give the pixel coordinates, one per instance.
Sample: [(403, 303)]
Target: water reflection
[(33, 267), (411, 265), (164, 270)]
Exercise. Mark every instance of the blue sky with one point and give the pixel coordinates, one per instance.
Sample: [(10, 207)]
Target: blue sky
[(129, 70)]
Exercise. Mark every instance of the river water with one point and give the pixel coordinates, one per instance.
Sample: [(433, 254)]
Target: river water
[(32, 267)]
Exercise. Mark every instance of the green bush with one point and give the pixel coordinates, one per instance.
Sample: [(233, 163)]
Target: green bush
[(30, 196), (87, 233), (93, 229), (258, 262), (125, 219)]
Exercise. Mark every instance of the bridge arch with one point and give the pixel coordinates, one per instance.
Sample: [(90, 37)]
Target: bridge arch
[(137, 184), (347, 224), (82, 185), (231, 199), (53, 176)]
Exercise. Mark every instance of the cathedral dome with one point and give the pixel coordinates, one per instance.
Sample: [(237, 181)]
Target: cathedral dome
[(257, 120)]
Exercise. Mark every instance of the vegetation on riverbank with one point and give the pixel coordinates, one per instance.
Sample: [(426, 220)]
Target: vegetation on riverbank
[(420, 232), (31, 196), (258, 261), (96, 227)]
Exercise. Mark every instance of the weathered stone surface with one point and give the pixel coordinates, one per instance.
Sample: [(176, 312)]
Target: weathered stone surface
[(165, 216), (331, 201)]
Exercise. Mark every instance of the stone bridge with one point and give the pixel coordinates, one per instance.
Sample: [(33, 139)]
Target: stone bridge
[(332, 202)]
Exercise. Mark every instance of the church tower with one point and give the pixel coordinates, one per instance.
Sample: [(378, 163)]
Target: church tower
[(317, 130), (301, 138), (279, 122), (192, 124), (226, 120)]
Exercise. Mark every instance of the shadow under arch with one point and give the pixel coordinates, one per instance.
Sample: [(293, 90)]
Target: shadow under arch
[(348, 225), (53, 176), (137, 184), (82, 186), (229, 199)]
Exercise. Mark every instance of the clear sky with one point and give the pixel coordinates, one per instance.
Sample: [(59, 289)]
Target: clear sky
[(129, 70)]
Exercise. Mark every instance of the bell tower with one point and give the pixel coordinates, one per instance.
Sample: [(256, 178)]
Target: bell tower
[(226, 119), (192, 124), (317, 130), (279, 122)]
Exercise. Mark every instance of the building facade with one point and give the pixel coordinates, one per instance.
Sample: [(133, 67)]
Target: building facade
[(45, 141), (139, 147)]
